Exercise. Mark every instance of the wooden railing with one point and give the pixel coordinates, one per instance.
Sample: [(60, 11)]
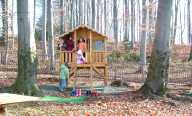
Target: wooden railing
[(70, 57), (67, 56), (99, 57)]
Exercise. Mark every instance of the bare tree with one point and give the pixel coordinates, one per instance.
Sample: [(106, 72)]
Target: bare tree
[(50, 34), (105, 16), (44, 28), (98, 15), (175, 21), (27, 58), (143, 38), (189, 27), (93, 13), (62, 17), (157, 77), (126, 19), (4, 40), (132, 22), (115, 23), (81, 12), (5, 20)]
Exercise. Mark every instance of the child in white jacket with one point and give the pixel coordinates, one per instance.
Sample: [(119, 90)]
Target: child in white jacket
[(80, 57)]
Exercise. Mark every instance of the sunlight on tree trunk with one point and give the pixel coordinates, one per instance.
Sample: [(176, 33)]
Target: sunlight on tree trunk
[(50, 35), (143, 38), (115, 23), (44, 29), (62, 24), (93, 13), (189, 28), (157, 77), (5, 39), (126, 19), (132, 23), (27, 57)]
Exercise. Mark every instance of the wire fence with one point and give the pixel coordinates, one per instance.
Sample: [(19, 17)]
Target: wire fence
[(180, 73)]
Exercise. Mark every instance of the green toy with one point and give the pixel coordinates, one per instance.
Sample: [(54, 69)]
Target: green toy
[(61, 100)]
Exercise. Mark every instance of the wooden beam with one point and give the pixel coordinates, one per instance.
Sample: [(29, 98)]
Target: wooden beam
[(105, 49), (105, 75), (97, 71), (90, 55), (91, 70), (2, 110), (72, 70), (75, 39)]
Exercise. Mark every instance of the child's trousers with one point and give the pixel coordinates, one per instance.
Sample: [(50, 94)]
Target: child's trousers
[(62, 84)]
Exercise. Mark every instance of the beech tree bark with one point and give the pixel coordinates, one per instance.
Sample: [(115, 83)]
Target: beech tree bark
[(115, 23), (189, 28), (44, 29), (62, 24), (143, 38), (126, 16), (157, 77), (50, 34), (27, 56), (93, 13), (4, 21)]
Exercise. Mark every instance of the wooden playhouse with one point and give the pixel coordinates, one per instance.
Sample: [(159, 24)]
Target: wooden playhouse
[(95, 55)]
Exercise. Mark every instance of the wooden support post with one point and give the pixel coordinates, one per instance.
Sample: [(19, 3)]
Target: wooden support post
[(91, 39), (75, 59), (2, 110), (75, 76), (75, 40), (105, 49), (90, 58), (105, 75), (91, 76)]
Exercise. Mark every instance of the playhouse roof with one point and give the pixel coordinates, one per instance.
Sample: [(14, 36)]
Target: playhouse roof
[(83, 27)]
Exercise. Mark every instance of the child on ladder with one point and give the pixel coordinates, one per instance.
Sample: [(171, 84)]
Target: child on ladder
[(64, 76)]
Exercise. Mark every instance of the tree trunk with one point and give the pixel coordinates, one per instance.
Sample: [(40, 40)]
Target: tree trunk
[(115, 23), (151, 22), (27, 58), (93, 13), (88, 11), (132, 22), (50, 35), (62, 24), (175, 22), (157, 77), (5, 21), (143, 38), (77, 16), (105, 16), (81, 12), (126, 15), (189, 28), (4, 41), (181, 27), (71, 14), (98, 16), (44, 29)]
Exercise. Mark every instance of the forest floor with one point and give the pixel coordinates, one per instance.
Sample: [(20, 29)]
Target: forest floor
[(128, 102)]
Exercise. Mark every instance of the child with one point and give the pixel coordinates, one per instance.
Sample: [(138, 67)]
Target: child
[(82, 46), (80, 57), (64, 76)]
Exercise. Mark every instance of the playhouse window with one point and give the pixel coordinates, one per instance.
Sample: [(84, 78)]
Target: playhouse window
[(98, 45)]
